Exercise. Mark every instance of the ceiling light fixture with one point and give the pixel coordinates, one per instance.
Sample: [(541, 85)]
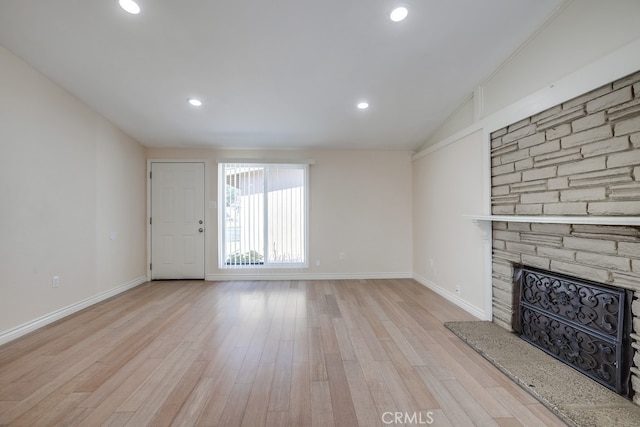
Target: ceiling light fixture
[(398, 14), (130, 6), (195, 102), (363, 105)]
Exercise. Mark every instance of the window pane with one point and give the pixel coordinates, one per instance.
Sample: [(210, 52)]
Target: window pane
[(286, 215), (265, 215), (244, 214)]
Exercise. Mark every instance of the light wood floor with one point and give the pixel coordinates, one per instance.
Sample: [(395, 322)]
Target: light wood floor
[(317, 353)]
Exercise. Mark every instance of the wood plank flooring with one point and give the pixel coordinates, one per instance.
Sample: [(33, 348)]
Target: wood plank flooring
[(298, 353)]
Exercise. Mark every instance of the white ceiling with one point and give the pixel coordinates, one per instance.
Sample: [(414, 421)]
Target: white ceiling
[(271, 73)]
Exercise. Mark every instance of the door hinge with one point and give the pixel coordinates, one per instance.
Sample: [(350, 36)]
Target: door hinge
[(150, 266), (150, 221), (150, 174)]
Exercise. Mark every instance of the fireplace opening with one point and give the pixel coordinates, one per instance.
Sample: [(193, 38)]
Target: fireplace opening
[(584, 324)]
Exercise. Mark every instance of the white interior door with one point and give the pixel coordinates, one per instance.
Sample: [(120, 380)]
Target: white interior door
[(177, 220)]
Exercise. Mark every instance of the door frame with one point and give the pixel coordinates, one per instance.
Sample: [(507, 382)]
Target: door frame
[(207, 209)]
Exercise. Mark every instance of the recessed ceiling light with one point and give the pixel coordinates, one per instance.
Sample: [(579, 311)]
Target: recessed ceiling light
[(398, 14), (363, 105), (130, 6), (195, 102)]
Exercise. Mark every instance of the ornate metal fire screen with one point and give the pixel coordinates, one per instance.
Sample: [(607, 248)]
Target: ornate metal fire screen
[(581, 323)]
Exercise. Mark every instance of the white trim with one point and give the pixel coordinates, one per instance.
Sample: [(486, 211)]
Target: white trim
[(475, 311), (32, 325), (486, 228), (207, 209), (448, 140), (269, 161), (305, 276), (478, 103), (606, 69), (486, 171), (209, 212), (149, 161), (545, 219)]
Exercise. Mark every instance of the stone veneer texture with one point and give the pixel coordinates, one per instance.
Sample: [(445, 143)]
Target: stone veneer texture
[(579, 158)]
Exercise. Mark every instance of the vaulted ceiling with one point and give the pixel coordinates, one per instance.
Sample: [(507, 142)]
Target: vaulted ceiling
[(271, 73)]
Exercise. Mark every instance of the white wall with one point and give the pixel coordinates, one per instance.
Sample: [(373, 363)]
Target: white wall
[(448, 249), (584, 32), (120, 207), (360, 204), (68, 178), (590, 43)]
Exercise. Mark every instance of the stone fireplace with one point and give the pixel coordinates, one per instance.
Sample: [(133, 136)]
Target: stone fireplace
[(582, 323), (563, 183)]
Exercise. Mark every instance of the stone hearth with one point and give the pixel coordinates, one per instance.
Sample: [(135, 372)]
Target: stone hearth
[(575, 398)]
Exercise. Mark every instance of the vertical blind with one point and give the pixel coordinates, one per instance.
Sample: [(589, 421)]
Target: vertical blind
[(264, 222)]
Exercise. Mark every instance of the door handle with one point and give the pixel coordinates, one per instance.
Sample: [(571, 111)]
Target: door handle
[(201, 229)]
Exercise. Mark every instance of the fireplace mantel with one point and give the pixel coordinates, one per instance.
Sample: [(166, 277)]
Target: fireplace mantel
[(545, 219)]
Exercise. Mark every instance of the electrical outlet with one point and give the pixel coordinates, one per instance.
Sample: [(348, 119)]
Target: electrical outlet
[(342, 256), (317, 263), (55, 281)]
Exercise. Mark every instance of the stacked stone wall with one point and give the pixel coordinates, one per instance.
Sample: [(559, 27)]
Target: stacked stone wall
[(580, 158)]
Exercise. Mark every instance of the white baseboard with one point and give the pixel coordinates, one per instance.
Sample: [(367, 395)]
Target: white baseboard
[(305, 276), (455, 299), (25, 328)]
